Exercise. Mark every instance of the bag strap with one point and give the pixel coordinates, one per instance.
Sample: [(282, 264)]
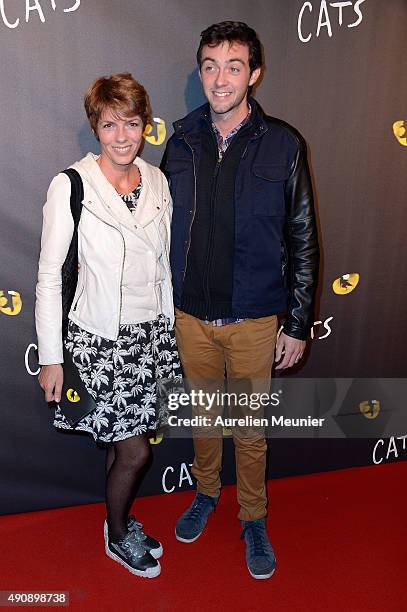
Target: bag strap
[(76, 195), (69, 271)]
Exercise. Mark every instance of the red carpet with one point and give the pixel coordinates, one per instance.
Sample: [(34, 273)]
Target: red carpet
[(340, 540)]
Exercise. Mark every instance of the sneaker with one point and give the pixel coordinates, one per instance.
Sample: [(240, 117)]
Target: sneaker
[(151, 545), (133, 556), (192, 523), (260, 558)]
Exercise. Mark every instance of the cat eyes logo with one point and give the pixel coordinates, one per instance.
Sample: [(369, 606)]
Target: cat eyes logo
[(400, 132), (73, 396), (345, 284), (161, 132), (157, 439), (369, 408), (12, 305), (227, 432)]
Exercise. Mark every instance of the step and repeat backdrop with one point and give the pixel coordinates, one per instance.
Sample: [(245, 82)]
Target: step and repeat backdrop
[(336, 71)]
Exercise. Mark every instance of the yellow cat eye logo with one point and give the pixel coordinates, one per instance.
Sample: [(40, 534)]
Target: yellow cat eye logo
[(400, 132), (227, 432), (370, 408), (12, 305), (345, 284), (73, 396), (157, 439), (161, 132)]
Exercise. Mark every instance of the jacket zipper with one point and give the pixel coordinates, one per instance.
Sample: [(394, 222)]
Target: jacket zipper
[(209, 254), (194, 210), (79, 296), (122, 267)]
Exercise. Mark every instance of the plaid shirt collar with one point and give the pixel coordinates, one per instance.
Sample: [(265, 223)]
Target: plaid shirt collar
[(223, 143)]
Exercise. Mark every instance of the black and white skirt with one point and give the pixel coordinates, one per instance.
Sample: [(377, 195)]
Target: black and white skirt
[(121, 376)]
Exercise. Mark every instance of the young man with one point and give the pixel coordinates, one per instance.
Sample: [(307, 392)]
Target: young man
[(244, 248)]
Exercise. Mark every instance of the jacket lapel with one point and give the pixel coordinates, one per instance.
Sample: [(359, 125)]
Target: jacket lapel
[(109, 206)]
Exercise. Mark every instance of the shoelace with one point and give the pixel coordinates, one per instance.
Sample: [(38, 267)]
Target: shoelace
[(132, 551), (139, 535), (196, 509), (137, 530), (256, 540)]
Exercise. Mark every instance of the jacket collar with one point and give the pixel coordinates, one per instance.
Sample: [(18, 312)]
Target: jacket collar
[(192, 123), (152, 201)]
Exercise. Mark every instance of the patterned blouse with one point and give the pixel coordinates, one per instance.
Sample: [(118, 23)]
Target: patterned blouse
[(131, 199)]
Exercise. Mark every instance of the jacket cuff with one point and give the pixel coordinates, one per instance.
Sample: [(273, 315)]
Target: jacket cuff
[(293, 330), (48, 358)]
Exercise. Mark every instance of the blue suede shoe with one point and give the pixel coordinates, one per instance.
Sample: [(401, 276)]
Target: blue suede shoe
[(192, 523), (260, 558)]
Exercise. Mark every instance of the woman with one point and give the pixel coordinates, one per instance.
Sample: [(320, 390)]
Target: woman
[(120, 334)]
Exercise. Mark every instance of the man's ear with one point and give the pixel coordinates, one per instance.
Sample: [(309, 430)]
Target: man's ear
[(200, 76), (254, 76)]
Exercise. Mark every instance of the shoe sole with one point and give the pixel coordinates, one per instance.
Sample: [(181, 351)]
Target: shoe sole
[(184, 540), (157, 553), (151, 572), (261, 576)]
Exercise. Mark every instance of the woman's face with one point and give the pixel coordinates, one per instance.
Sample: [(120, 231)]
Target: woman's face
[(120, 138)]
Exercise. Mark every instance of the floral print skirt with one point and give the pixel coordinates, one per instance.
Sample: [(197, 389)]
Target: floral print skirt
[(121, 377)]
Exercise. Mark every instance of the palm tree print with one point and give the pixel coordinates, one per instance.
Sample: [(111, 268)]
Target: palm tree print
[(121, 376)]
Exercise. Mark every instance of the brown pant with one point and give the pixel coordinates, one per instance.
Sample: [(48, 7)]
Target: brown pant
[(247, 351)]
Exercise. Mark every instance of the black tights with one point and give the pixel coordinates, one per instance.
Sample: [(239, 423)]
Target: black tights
[(124, 464)]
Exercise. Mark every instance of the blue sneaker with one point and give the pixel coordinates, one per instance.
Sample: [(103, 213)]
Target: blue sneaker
[(260, 558), (192, 523)]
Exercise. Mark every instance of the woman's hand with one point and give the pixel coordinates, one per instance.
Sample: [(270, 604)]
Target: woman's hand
[(51, 378)]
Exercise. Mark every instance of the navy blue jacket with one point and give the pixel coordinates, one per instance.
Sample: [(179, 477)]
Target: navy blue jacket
[(276, 246)]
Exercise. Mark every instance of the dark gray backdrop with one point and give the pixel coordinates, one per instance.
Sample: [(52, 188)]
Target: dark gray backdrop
[(343, 89)]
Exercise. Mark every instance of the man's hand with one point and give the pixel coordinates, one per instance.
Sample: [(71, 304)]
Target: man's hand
[(51, 378), (292, 348)]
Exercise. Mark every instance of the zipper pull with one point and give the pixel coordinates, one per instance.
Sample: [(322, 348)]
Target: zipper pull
[(215, 172)]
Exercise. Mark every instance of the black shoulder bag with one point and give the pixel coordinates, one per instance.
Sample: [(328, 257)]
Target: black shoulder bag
[(75, 402)]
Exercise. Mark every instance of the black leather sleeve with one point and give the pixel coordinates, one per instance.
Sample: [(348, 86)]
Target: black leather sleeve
[(302, 246)]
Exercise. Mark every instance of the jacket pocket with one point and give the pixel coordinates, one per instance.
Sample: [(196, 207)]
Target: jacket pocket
[(268, 182), (80, 289)]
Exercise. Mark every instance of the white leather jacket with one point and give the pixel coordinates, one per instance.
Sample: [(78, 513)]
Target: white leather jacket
[(97, 305)]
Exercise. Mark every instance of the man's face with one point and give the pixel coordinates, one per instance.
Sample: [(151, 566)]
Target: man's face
[(225, 76)]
